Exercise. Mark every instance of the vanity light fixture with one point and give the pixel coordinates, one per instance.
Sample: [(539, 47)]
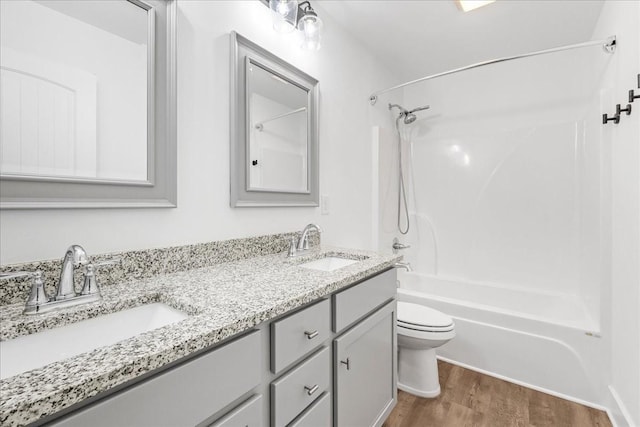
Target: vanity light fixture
[(311, 26), (467, 5), (284, 14), (288, 15)]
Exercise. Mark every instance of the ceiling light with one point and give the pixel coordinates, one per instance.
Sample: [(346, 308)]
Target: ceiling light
[(467, 5)]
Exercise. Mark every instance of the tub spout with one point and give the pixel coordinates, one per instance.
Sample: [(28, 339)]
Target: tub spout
[(405, 265)]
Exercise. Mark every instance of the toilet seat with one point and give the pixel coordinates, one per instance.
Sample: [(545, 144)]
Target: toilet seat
[(420, 318)]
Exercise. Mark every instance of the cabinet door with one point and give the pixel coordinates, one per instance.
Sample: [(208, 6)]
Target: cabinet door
[(184, 395), (365, 370), (248, 414)]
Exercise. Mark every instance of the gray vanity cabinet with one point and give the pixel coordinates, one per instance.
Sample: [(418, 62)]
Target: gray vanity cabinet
[(299, 334), (248, 414), (185, 395), (295, 370), (364, 371), (316, 415), (299, 388)]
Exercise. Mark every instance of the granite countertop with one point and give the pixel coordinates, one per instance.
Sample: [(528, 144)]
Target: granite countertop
[(222, 301)]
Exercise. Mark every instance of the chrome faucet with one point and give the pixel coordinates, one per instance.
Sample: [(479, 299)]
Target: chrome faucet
[(66, 296), (303, 242), (73, 258), (405, 265)]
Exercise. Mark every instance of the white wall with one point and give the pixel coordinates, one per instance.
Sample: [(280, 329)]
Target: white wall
[(621, 314), (347, 75)]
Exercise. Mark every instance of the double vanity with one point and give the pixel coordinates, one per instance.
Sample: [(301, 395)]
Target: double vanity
[(250, 340)]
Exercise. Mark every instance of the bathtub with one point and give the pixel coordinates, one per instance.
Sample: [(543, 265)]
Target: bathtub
[(547, 342)]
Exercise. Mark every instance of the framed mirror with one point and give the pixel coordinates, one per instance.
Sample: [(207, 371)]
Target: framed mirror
[(274, 130), (88, 117)]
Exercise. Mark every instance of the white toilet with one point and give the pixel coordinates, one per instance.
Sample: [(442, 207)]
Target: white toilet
[(420, 330)]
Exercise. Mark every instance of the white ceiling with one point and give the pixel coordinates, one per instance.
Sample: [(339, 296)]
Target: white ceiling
[(421, 37)]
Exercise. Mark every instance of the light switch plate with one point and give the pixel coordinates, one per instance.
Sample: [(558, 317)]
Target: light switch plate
[(324, 204)]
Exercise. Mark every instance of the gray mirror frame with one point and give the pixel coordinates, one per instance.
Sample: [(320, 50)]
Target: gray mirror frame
[(160, 189), (241, 47)]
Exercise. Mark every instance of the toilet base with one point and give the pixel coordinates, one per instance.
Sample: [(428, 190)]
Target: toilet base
[(418, 372), (419, 393)]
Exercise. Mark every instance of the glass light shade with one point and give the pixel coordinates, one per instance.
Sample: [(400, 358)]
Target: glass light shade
[(311, 26), (284, 14), (469, 5)]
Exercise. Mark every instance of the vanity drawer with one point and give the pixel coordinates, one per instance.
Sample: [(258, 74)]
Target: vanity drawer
[(248, 414), (296, 390), (359, 300), (318, 414), (184, 395), (299, 334)]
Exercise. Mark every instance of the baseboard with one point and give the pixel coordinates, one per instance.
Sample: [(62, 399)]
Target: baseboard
[(524, 384), (618, 414)]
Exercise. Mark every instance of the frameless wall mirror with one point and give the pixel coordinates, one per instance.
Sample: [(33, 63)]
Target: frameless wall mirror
[(274, 137), (87, 109)]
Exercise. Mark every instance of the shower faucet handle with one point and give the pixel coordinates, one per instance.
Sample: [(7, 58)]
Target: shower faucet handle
[(398, 246)]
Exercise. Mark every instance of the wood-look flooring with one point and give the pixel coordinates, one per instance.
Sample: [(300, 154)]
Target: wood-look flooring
[(469, 398)]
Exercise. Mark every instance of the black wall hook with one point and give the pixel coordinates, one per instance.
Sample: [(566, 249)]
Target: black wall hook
[(615, 119), (619, 109), (632, 95)]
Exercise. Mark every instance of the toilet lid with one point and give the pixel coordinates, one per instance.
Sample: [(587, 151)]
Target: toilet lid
[(418, 316)]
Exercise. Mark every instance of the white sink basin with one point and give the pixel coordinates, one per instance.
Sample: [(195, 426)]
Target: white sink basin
[(329, 263), (33, 351)]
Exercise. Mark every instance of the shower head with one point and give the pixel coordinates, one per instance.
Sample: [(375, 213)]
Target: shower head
[(409, 118), (408, 115)]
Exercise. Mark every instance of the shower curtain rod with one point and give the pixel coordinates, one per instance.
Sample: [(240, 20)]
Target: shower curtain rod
[(609, 45), (279, 116)]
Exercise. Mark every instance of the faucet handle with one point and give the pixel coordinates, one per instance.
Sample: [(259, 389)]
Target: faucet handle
[(292, 248), (38, 294), (90, 286)]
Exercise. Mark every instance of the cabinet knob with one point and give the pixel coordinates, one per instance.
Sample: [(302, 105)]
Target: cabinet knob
[(311, 390), (347, 363), (311, 335)]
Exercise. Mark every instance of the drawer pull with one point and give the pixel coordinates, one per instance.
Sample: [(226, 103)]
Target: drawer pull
[(311, 335), (311, 390), (347, 363)]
